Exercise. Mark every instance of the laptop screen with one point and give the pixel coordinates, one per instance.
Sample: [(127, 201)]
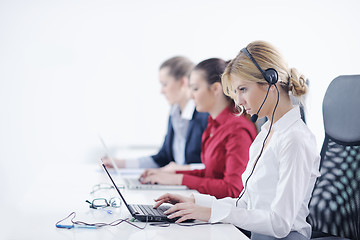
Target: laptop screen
[(117, 189), (108, 155)]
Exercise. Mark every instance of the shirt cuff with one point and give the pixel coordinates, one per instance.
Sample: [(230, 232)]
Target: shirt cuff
[(132, 163), (194, 166), (190, 181), (203, 199), (220, 212)]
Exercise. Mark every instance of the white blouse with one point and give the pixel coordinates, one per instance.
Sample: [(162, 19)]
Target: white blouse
[(276, 198), (180, 122)]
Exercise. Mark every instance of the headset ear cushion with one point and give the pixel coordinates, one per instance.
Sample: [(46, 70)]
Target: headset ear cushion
[(271, 76)]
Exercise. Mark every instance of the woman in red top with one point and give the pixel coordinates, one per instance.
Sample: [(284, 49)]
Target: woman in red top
[(225, 141)]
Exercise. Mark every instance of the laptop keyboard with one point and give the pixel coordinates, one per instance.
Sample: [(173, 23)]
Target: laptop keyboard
[(132, 181), (149, 210)]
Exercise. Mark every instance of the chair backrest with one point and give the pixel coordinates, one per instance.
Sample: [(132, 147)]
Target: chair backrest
[(335, 203)]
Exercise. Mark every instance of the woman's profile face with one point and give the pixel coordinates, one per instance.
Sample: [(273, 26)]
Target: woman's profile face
[(200, 91), (250, 95), (170, 87)]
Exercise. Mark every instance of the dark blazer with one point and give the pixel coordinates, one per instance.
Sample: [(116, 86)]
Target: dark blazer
[(195, 130)]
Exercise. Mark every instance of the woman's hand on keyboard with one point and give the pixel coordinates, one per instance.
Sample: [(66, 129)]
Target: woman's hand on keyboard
[(173, 199), (163, 178), (189, 210)]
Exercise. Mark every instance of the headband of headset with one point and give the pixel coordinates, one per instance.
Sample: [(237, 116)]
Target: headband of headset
[(270, 74)]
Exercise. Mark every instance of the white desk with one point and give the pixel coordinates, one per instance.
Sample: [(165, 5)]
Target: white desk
[(62, 189)]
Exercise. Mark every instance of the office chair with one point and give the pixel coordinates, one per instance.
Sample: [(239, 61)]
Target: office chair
[(335, 203)]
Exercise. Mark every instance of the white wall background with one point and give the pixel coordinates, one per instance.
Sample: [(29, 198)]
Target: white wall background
[(75, 68)]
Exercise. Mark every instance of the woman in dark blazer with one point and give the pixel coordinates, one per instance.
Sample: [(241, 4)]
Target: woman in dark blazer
[(182, 144), (195, 130)]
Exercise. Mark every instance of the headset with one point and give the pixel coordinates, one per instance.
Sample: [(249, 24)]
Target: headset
[(271, 77)]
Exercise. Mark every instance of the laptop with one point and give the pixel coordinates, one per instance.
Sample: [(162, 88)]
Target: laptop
[(135, 184), (143, 213), (132, 182), (108, 155)]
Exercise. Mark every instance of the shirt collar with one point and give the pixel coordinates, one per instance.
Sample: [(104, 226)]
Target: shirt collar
[(285, 121), (188, 111)]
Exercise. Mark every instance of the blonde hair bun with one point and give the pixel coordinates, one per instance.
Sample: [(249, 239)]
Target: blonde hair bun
[(297, 83)]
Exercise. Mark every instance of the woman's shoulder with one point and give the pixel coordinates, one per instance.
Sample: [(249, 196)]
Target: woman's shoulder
[(200, 117), (299, 143), (239, 125), (240, 121), (299, 134)]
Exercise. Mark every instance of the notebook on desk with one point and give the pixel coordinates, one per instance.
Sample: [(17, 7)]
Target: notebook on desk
[(144, 213)]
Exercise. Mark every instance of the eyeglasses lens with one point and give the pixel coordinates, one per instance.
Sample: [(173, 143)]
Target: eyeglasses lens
[(101, 202), (115, 202)]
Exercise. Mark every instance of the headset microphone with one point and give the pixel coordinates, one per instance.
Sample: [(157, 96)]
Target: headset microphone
[(270, 75), (255, 116)]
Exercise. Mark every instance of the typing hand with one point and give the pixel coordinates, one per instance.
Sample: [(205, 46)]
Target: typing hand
[(170, 168), (173, 199), (149, 172), (187, 211), (120, 163), (163, 178)]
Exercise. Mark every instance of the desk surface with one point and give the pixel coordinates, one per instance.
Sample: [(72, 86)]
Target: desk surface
[(62, 189)]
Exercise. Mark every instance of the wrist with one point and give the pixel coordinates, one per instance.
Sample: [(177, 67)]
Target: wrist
[(179, 178), (192, 198), (120, 163)]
